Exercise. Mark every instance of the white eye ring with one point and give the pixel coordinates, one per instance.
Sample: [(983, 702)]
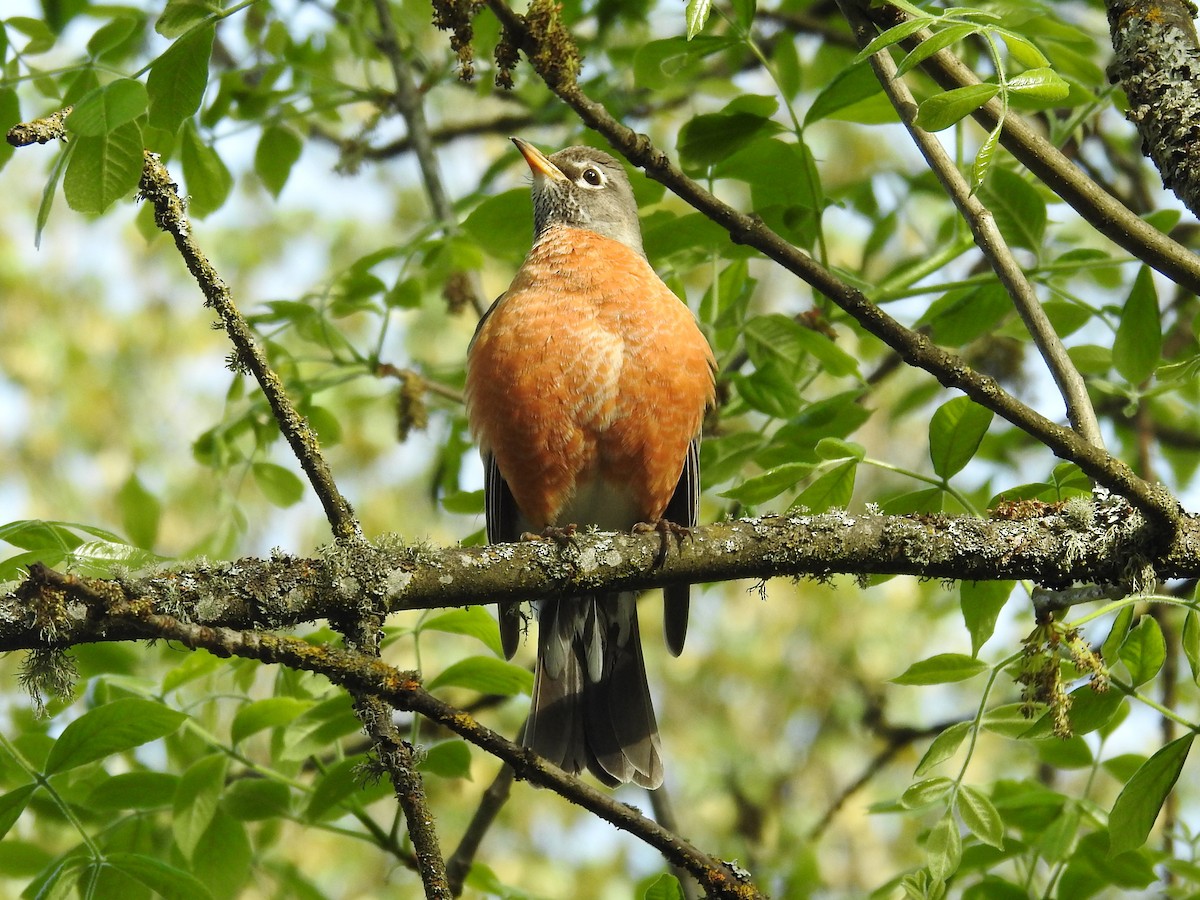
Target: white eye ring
[(592, 176)]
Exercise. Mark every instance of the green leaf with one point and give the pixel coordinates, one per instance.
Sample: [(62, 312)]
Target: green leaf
[(256, 799), (983, 158), (1138, 343), (134, 790), (981, 602), (831, 490), (925, 793), (664, 887), (1024, 52), (112, 728), (939, 40), (1191, 643), (696, 14), (770, 390), (770, 484), (263, 714), (320, 727), (1090, 710), (278, 150), (485, 674), (894, 35), (279, 485), (942, 747), (10, 115), (178, 78), (965, 314), (103, 169), (1140, 800), (338, 785), (1144, 650), (980, 816), (941, 669), (474, 621), (180, 15), (12, 805), (208, 181), (674, 60), (41, 38), (849, 88), (223, 856), (1041, 83), (448, 759), (943, 110), (195, 665), (112, 34), (140, 512), (165, 880), (109, 108), (708, 139), (196, 801), (1018, 208), (1122, 622), (943, 848), (955, 432), (503, 225)]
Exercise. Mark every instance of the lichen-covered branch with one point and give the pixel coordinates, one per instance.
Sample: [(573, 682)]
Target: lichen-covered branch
[(1158, 64), (1079, 541), (365, 674)]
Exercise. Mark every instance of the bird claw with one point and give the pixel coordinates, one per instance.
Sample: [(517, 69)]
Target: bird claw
[(563, 536), (666, 530)]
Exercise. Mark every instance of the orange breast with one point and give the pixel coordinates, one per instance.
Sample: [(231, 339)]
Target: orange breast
[(588, 368)]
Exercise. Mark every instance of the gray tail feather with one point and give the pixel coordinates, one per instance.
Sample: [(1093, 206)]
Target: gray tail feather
[(603, 720)]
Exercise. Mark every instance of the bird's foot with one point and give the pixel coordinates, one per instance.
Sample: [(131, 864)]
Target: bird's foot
[(666, 530), (561, 535)]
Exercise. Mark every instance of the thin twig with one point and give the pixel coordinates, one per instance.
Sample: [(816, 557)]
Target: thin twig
[(987, 236), (547, 51), (459, 862), (1102, 211), (407, 99), (664, 814), (157, 187)]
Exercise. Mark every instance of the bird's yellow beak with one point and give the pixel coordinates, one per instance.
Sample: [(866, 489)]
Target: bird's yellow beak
[(539, 164)]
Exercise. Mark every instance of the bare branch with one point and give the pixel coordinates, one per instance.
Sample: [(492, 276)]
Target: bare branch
[(988, 238)]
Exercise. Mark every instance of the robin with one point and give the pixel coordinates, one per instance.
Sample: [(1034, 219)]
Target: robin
[(587, 382)]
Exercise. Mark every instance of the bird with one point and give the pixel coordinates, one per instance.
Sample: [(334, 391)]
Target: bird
[(587, 384)]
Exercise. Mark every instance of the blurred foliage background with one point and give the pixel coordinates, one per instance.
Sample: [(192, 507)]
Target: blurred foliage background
[(126, 440)]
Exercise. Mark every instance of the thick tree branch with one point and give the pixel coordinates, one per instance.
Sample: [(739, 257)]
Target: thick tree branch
[(1158, 64), (1099, 208), (549, 49), (1076, 542), (365, 674), (987, 237)]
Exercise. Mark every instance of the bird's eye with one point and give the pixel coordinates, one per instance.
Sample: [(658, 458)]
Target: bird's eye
[(592, 176)]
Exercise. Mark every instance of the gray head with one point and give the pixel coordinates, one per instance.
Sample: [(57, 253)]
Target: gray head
[(582, 188)]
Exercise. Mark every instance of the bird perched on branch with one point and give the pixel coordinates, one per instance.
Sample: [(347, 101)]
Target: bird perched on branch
[(587, 382)]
